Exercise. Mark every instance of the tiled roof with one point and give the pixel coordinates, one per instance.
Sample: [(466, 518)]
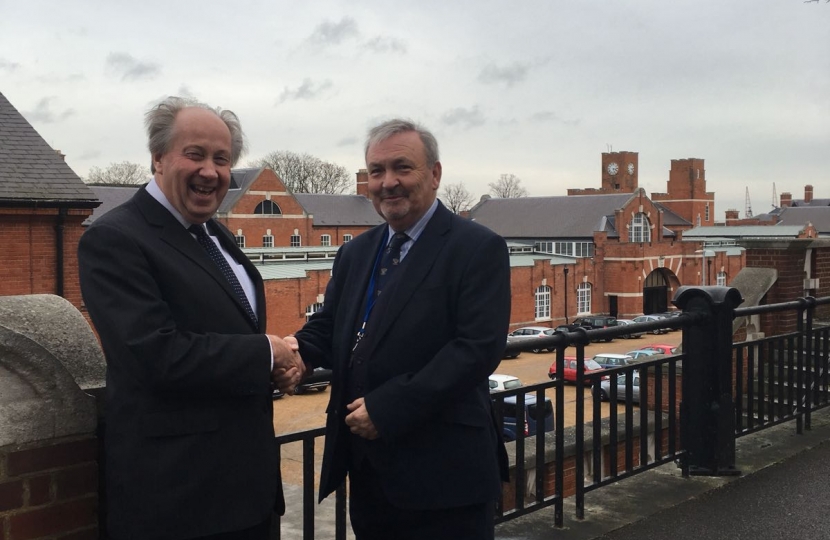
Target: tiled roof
[(110, 197), (571, 217), (31, 170), (339, 210), (241, 180), (819, 216)]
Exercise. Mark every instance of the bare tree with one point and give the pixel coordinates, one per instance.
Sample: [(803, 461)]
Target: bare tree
[(457, 198), (124, 173), (508, 186), (304, 173)]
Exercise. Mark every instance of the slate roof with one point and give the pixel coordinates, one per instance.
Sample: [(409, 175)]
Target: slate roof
[(31, 172), (339, 210), (819, 216), (110, 197), (241, 180), (572, 217), (815, 202)]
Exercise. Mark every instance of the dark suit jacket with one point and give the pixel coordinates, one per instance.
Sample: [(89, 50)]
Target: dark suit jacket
[(190, 447), (433, 339)]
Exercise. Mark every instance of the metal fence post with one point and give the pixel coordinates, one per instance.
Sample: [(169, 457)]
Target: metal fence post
[(707, 409)]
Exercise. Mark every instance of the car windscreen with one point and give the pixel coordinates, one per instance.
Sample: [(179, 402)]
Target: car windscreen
[(508, 385), (591, 364)]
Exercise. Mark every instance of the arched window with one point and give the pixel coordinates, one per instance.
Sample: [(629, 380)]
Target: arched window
[(639, 231), (268, 208), (583, 298), (543, 302)]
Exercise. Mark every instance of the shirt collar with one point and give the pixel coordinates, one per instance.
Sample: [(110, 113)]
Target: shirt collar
[(155, 192)]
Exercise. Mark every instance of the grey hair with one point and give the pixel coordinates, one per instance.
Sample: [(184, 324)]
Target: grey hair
[(387, 129), (160, 120)]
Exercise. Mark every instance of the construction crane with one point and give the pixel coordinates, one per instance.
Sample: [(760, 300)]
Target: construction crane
[(748, 212)]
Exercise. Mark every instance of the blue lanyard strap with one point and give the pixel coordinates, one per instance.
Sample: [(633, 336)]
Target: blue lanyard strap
[(370, 292)]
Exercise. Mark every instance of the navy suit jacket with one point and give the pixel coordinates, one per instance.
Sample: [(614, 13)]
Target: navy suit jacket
[(433, 338), (190, 448)]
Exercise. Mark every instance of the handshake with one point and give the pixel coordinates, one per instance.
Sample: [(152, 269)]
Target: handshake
[(289, 368)]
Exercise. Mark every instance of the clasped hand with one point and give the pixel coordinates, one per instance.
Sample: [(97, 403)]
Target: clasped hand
[(289, 368)]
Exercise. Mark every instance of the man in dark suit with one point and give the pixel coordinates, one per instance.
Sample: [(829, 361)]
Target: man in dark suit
[(410, 415), (180, 311)]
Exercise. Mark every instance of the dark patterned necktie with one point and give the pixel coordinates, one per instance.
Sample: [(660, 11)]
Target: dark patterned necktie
[(390, 260), (224, 267)]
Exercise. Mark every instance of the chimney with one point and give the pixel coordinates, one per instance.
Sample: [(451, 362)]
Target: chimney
[(731, 215), (63, 157), (808, 193), (786, 199), (363, 183)]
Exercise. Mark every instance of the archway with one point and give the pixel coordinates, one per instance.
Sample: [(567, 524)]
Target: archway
[(657, 289)]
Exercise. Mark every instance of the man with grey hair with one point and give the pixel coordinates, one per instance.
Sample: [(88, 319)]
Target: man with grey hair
[(180, 311), (413, 323)]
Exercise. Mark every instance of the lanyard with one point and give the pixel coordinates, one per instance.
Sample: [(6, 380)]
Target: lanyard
[(370, 292)]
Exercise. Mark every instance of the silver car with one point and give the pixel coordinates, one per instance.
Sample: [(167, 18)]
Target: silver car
[(604, 389), (649, 318), (531, 332)]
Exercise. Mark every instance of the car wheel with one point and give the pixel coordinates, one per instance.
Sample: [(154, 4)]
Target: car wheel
[(550, 350), (656, 332), (536, 351), (322, 388), (299, 390)]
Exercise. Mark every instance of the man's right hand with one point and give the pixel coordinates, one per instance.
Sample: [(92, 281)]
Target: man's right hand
[(289, 368)]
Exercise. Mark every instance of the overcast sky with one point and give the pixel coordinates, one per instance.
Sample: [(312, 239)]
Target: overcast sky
[(536, 88)]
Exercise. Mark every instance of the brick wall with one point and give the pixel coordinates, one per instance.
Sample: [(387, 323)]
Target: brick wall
[(49, 490)]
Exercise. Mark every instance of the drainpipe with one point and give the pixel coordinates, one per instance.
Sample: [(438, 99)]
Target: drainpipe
[(59, 238)]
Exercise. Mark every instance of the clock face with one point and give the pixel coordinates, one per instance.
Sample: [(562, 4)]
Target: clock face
[(613, 168), (630, 168)]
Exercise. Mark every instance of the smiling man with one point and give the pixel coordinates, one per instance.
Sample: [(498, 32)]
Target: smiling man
[(412, 325), (180, 311)]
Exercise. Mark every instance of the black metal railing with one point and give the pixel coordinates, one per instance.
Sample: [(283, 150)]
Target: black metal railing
[(690, 407)]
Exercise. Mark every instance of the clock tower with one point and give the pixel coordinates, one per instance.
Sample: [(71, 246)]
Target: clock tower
[(619, 172)]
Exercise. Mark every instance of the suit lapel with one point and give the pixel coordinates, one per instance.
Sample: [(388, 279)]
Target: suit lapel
[(363, 266), (418, 262), (174, 234)]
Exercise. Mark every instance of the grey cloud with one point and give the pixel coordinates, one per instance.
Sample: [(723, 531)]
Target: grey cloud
[(383, 44), (542, 117), (348, 141), (185, 91), (308, 90), (90, 154), (129, 68), (7, 65), (44, 113), (329, 33), (510, 74), (467, 118)]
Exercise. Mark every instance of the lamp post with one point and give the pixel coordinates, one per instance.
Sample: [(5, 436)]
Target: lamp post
[(565, 271)]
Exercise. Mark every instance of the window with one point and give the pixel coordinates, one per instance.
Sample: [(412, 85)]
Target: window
[(312, 309), (583, 298), (721, 279), (584, 249), (639, 231), (268, 208), (325, 240), (543, 302), (267, 241), (707, 212), (347, 238), (240, 240), (563, 248), (543, 247), (697, 221), (296, 240)]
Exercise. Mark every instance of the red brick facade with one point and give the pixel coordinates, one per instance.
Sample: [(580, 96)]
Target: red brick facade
[(686, 193)]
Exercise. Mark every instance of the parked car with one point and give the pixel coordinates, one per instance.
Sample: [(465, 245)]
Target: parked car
[(626, 322), (641, 354), (661, 348), (570, 369), (319, 380), (612, 360), (594, 322), (604, 387), (512, 354), (503, 382), (531, 332), (525, 419), (649, 318)]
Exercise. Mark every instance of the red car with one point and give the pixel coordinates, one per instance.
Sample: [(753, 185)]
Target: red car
[(570, 369), (662, 349)]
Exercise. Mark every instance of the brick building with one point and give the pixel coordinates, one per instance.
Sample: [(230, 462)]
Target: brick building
[(42, 206)]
